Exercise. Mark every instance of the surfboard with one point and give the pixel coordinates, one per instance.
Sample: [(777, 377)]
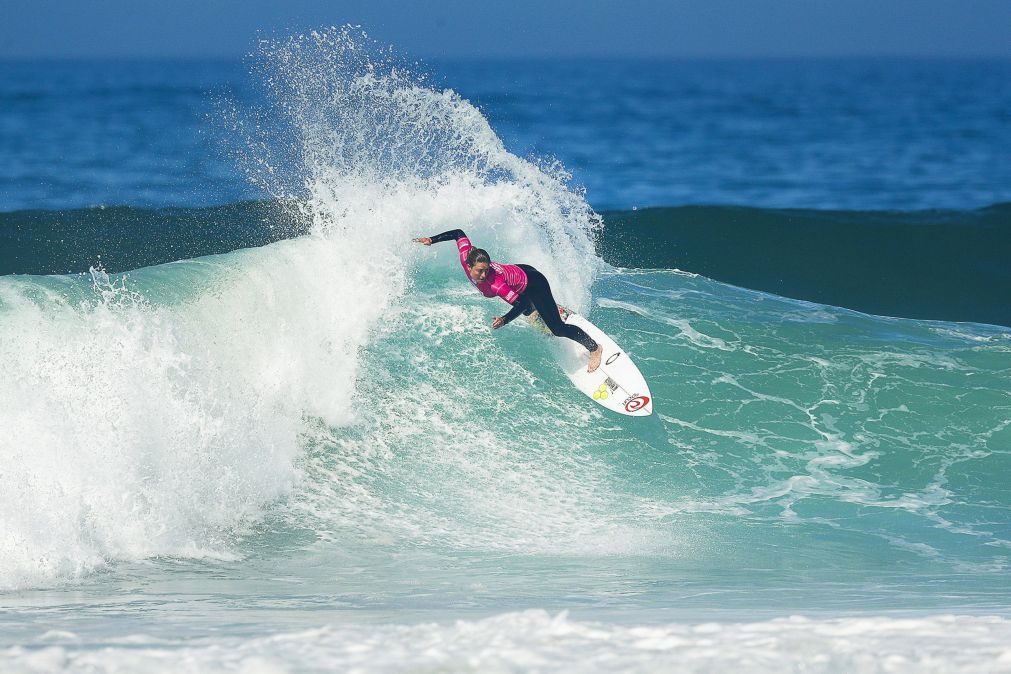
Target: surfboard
[(617, 384)]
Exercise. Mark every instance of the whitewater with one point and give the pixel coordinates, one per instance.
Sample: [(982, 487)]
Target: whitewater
[(313, 455)]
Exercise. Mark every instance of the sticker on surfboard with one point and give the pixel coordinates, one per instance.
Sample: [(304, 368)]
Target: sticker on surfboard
[(617, 384)]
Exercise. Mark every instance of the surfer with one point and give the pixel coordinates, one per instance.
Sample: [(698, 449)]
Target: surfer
[(520, 285)]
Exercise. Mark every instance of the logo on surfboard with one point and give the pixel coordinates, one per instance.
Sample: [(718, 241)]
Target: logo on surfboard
[(606, 389), (634, 403), (613, 358)]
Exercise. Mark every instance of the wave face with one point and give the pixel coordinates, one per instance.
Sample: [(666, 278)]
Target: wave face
[(289, 395)]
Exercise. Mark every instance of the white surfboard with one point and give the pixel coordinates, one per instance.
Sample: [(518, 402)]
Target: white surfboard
[(617, 384)]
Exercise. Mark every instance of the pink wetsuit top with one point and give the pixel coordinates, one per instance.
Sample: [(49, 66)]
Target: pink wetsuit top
[(505, 280)]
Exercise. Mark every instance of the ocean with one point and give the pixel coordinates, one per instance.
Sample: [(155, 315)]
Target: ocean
[(246, 425)]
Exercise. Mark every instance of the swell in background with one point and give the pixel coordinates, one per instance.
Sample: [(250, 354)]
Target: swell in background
[(940, 265)]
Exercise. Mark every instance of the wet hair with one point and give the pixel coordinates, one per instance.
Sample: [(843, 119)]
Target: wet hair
[(475, 255)]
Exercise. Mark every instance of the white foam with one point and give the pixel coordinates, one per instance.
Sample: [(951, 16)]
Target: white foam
[(534, 640), (134, 429)]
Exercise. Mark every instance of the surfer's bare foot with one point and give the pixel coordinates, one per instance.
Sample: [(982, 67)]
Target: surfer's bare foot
[(595, 359)]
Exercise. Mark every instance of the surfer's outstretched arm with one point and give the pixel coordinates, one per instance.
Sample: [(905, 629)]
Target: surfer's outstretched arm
[(451, 235)]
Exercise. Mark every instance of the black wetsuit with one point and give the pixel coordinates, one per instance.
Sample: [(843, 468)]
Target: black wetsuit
[(535, 297)]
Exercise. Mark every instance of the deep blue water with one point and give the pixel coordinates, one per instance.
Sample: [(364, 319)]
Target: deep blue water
[(855, 135)]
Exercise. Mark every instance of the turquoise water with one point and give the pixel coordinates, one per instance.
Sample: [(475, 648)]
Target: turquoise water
[(315, 455), (802, 460)]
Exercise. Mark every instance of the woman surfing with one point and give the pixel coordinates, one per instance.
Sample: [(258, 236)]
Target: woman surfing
[(520, 285)]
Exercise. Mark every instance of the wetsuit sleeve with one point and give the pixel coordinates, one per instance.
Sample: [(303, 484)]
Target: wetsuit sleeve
[(452, 234), (463, 244), (521, 305)]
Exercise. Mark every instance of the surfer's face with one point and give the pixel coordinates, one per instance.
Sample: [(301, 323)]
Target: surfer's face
[(479, 271)]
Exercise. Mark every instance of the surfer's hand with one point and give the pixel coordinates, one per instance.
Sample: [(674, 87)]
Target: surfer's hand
[(424, 240), (497, 323)]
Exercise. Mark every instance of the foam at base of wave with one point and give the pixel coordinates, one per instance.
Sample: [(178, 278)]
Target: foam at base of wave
[(537, 641)]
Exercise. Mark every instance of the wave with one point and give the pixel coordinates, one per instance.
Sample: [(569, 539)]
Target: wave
[(122, 238), (331, 382), (941, 265), (158, 416), (161, 411)]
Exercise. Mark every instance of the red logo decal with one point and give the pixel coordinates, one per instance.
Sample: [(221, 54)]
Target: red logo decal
[(635, 404)]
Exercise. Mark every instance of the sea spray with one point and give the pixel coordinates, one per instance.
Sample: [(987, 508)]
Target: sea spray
[(361, 144)]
